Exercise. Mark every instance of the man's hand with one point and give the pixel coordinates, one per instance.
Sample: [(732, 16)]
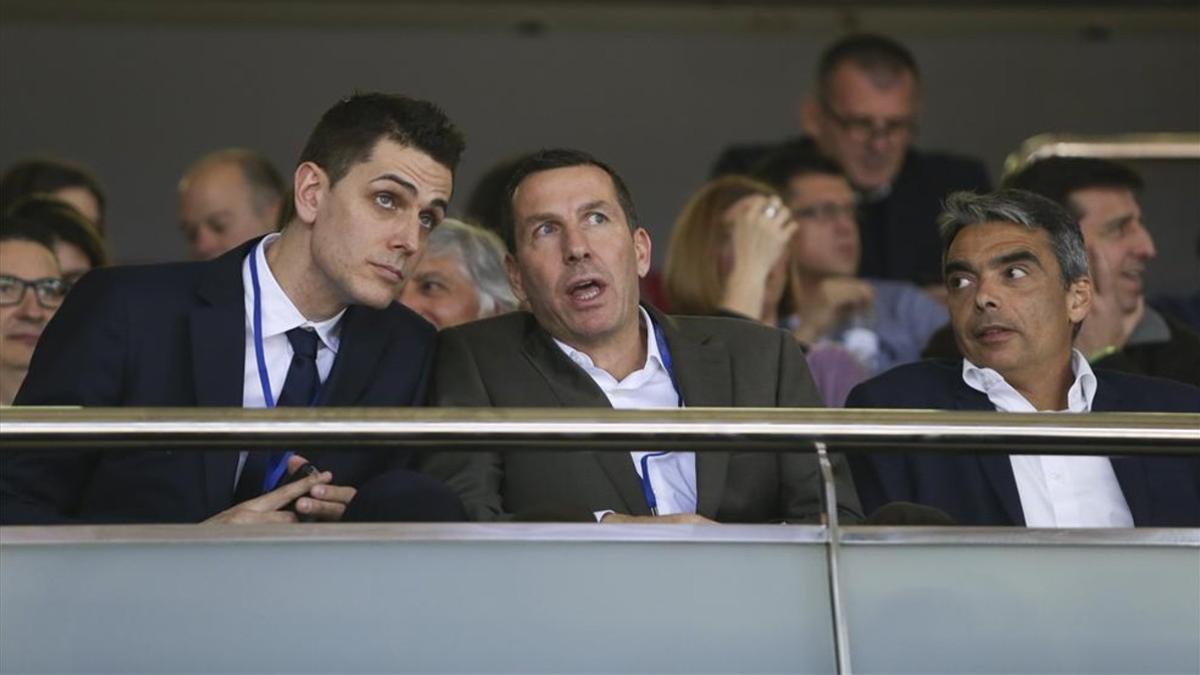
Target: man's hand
[(314, 495), (673, 519), (1105, 325), (837, 297)]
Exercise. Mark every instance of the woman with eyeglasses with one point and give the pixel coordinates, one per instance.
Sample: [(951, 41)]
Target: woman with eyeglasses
[(31, 289)]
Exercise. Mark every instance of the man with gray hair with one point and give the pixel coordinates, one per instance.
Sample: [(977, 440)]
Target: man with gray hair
[(228, 197), (1018, 285), (460, 276)]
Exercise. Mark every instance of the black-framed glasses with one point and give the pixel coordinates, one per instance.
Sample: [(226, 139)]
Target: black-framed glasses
[(863, 129), (49, 291)]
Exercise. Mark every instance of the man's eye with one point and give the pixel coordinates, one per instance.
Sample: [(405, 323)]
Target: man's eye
[(543, 229), (957, 282), (429, 220), (1016, 273), (596, 218), (385, 200)]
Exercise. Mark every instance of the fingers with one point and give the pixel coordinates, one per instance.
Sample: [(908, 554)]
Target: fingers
[(333, 493), (321, 510), (282, 496)]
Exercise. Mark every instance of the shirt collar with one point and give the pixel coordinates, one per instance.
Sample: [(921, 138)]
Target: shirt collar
[(991, 383), (279, 313), (653, 355)]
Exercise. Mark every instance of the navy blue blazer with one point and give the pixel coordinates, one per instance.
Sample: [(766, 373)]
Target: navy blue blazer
[(174, 335), (980, 489)]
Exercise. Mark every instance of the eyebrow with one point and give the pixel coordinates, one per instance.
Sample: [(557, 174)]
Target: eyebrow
[(438, 203), (1117, 223), (593, 205), (1020, 255)]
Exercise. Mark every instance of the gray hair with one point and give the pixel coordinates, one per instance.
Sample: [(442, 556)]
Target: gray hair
[(1022, 208), (481, 255)]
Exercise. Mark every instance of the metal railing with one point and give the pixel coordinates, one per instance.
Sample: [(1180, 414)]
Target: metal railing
[(1164, 145)]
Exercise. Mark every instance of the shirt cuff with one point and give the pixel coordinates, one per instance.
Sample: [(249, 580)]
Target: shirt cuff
[(600, 514)]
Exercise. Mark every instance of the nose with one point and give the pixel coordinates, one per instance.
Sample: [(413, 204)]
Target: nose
[(986, 294), (1143, 242), (575, 245), (206, 244), (30, 310), (408, 237)]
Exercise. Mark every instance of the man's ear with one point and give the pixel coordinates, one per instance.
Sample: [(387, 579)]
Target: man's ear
[(1079, 299), (309, 185), (810, 116), (514, 279), (642, 247)]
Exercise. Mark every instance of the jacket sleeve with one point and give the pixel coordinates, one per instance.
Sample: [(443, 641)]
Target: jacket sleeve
[(79, 361), (474, 476), (802, 487)]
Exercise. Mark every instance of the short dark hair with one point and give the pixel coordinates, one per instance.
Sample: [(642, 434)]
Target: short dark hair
[(1020, 207), (1056, 178), (871, 52), (15, 228), (793, 161), (488, 200), (560, 158), (39, 174), (349, 131), (63, 223)]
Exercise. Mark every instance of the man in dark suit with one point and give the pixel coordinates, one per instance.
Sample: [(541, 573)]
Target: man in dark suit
[(575, 255), (302, 317), (864, 117), (1018, 282)]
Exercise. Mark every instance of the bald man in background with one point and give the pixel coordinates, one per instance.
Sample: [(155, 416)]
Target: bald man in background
[(228, 197)]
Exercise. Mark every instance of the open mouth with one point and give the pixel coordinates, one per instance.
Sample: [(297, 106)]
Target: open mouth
[(585, 290)]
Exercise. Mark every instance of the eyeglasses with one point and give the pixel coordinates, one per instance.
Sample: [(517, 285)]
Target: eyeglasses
[(863, 129), (827, 212), (49, 291)]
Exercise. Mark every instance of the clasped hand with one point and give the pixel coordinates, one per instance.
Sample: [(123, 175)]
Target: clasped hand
[(314, 495)]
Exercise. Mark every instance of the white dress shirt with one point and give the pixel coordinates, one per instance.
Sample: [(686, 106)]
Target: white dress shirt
[(279, 315), (673, 475), (1058, 490)]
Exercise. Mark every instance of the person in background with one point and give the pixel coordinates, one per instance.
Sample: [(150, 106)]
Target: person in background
[(864, 116), (883, 322), (728, 256), (228, 197), (64, 181), (31, 289), (76, 243), (460, 276)]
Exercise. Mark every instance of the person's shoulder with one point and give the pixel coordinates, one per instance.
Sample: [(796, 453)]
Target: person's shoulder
[(149, 280), (953, 170), (737, 331), (1135, 393), (402, 320), (930, 159), (492, 330), (912, 385)]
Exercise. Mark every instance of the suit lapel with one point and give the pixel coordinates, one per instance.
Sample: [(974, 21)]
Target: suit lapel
[(704, 375), (574, 388), (363, 341), (1130, 471), (218, 335), (997, 468)]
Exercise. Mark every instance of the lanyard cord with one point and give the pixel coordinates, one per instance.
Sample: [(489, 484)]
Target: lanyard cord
[(664, 354)]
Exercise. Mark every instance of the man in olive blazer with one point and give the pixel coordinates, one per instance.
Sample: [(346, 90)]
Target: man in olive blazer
[(576, 261)]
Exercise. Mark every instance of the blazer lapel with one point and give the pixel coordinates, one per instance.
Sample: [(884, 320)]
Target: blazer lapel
[(574, 388), (218, 335), (703, 373), (997, 468), (362, 343), (1130, 471)]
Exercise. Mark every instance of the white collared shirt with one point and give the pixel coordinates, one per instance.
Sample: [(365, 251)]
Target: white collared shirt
[(279, 315), (1058, 490), (673, 475)]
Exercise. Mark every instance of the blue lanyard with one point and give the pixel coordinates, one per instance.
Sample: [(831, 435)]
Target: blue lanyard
[(276, 467), (664, 353)]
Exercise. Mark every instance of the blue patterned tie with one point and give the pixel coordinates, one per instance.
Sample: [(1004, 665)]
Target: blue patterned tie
[(299, 389)]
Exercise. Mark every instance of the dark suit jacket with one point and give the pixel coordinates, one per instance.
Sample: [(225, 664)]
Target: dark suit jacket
[(899, 232), (174, 335), (509, 361), (980, 489)]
